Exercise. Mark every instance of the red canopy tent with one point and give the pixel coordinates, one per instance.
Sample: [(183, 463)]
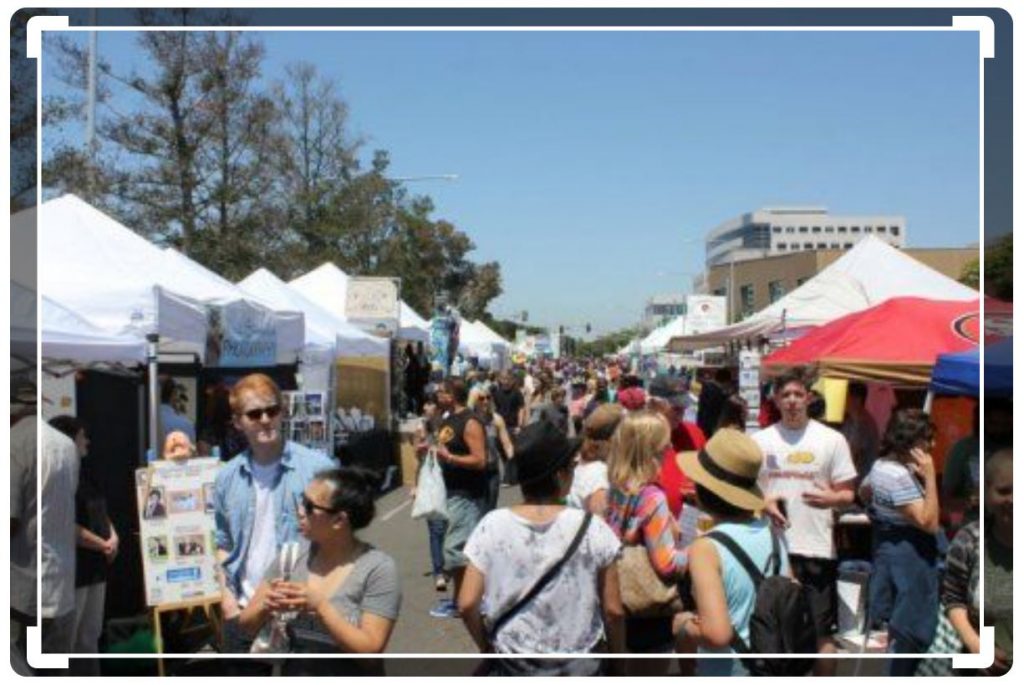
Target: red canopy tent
[(895, 341)]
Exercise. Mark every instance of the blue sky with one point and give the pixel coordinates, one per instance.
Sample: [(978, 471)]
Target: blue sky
[(592, 164)]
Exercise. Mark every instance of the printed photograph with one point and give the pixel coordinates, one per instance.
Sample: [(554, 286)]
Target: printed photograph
[(190, 545), (157, 548), (183, 501), (154, 506)]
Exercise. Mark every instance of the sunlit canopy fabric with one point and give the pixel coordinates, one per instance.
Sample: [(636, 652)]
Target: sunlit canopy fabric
[(869, 274), (898, 340), (327, 286)]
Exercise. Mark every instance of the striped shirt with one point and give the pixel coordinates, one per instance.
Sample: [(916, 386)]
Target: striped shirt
[(644, 518), (893, 486)]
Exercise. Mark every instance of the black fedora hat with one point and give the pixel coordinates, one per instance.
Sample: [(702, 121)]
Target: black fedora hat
[(541, 449)]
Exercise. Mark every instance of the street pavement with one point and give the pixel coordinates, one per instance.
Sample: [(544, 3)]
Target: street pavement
[(395, 532)]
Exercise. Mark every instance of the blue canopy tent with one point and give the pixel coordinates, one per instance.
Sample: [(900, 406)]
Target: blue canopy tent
[(959, 373)]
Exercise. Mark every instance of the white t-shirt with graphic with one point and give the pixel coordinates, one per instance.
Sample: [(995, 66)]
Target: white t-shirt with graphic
[(795, 462), (513, 553), (263, 546)]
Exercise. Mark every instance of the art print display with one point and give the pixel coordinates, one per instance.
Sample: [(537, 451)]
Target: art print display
[(176, 527)]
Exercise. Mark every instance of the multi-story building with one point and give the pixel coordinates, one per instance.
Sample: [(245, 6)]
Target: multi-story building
[(785, 230), (756, 283), (660, 309)]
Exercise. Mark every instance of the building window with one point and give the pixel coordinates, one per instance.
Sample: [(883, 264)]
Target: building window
[(808, 246), (789, 229), (720, 292), (822, 246), (803, 229), (776, 289), (794, 246), (782, 247), (855, 229), (895, 230), (816, 229), (867, 229), (848, 245), (746, 300), (842, 229), (835, 246), (776, 229)]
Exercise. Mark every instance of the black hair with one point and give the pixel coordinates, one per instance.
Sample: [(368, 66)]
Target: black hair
[(352, 491), (723, 375), (68, 425), (858, 390), (714, 505), (733, 413), (544, 488), (167, 388), (458, 389), (796, 374), (907, 428)]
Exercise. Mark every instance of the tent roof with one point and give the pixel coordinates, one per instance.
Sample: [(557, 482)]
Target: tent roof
[(959, 373), (323, 329), (657, 340), (65, 335), (897, 340), (327, 285), (870, 273)]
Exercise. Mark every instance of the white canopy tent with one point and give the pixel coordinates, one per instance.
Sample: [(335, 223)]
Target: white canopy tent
[(870, 273), (327, 286), (124, 285), (66, 336), (477, 340), (657, 340), (323, 329)]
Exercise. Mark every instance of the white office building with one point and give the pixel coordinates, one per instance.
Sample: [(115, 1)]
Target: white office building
[(783, 230)]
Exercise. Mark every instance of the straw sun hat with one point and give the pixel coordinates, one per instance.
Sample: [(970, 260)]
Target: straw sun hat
[(728, 466)]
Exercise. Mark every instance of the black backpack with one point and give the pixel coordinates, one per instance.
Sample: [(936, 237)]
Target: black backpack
[(782, 621)]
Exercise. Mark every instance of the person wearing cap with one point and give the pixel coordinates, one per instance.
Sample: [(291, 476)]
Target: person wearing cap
[(512, 548), (725, 473), (590, 477)]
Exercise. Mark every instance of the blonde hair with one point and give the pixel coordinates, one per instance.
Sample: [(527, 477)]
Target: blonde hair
[(635, 456)]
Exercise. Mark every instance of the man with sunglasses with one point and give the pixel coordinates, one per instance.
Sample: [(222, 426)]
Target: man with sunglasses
[(256, 498)]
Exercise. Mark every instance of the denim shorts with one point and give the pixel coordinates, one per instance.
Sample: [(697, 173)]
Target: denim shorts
[(463, 515)]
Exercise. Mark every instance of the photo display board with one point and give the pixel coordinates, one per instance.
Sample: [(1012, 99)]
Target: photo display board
[(308, 420), (176, 527)]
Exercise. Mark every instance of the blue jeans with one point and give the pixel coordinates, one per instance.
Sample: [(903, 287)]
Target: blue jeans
[(437, 528), (904, 590)]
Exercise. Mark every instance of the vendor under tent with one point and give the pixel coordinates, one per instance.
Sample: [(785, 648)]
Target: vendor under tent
[(327, 285), (896, 341), (959, 373), (869, 274)]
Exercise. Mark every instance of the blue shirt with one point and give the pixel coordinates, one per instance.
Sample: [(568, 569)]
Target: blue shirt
[(755, 539), (235, 503)]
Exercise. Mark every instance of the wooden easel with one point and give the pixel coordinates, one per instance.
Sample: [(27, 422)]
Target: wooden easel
[(210, 608)]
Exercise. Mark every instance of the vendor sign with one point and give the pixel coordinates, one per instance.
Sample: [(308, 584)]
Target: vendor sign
[(240, 335), (372, 304), (176, 527)]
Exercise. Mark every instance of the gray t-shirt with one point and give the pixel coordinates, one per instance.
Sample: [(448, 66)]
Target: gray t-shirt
[(371, 587)]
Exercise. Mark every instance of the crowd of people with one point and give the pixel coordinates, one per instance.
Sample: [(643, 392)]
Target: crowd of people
[(641, 512)]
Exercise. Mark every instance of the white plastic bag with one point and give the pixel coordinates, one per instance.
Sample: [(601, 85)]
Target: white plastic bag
[(431, 495)]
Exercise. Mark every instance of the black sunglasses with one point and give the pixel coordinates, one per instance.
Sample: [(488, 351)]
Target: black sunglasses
[(256, 414), (309, 506)]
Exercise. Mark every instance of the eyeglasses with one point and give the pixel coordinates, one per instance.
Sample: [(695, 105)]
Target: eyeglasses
[(309, 506), (256, 414)]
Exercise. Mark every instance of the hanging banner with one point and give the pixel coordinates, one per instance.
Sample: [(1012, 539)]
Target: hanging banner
[(176, 527), (703, 313), (750, 385), (372, 304), (239, 335), (444, 342)]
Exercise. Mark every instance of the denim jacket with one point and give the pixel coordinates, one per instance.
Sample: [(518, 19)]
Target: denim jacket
[(235, 503)]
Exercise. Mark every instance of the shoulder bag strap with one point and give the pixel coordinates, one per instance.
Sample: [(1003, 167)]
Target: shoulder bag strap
[(738, 645), (544, 580)]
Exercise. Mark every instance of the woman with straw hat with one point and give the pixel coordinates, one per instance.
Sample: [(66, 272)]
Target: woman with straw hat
[(725, 474)]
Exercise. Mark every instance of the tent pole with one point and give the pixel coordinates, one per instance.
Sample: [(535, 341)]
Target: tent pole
[(154, 395)]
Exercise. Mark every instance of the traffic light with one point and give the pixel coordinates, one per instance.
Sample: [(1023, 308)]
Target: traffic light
[(588, 328), (561, 330)]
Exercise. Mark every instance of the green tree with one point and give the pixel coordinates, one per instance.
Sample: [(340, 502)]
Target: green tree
[(998, 270)]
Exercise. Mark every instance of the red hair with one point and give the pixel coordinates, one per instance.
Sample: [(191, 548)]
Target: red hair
[(254, 382)]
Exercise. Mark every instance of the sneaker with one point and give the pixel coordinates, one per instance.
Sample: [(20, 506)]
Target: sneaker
[(446, 608), (440, 582)]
